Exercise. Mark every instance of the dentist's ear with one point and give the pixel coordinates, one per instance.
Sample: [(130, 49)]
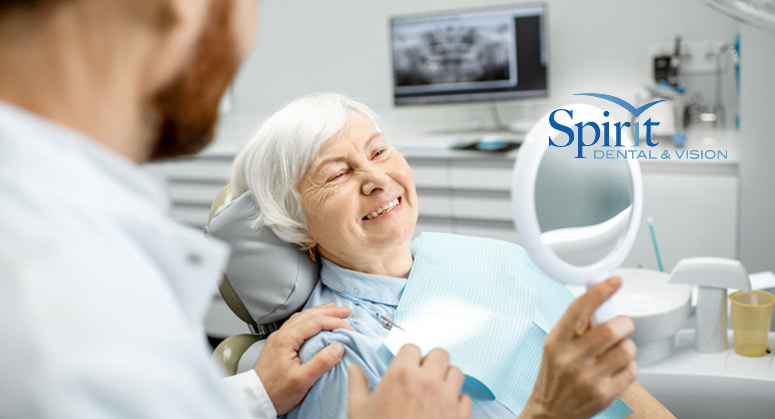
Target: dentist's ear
[(176, 25)]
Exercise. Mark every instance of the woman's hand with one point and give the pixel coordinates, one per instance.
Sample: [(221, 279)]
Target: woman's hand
[(411, 388), (584, 368), (285, 378)]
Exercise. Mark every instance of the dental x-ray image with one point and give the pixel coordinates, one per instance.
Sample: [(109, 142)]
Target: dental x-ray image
[(455, 54)]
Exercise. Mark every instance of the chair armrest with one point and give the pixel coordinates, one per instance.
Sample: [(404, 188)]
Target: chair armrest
[(229, 352)]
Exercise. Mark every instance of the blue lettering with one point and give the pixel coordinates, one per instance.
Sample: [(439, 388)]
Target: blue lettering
[(619, 126), (606, 131), (560, 127), (648, 124), (636, 132), (581, 144)]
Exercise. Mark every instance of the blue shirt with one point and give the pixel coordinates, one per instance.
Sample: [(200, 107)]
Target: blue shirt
[(368, 296)]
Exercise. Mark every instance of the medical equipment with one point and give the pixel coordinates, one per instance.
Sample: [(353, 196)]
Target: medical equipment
[(486, 54), (591, 218), (658, 308), (712, 276), (666, 67)]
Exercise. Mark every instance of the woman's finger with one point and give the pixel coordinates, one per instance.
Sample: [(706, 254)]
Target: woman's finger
[(582, 308), (604, 336), (623, 378), (616, 358)]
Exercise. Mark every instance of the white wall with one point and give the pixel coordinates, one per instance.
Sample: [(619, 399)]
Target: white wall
[(306, 46), (757, 150)]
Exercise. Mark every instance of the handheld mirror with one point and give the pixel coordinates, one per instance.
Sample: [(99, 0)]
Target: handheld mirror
[(577, 217)]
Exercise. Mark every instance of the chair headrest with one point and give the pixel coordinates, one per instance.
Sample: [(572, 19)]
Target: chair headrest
[(273, 279)]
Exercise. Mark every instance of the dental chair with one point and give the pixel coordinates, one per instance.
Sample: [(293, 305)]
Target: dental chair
[(266, 279)]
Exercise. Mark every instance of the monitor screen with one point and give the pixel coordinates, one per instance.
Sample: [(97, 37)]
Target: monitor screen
[(472, 55)]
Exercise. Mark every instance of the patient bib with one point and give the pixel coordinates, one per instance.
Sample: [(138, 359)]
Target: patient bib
[(490, 307)]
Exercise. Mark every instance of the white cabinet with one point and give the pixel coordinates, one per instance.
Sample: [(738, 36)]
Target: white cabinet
[(473, 187)]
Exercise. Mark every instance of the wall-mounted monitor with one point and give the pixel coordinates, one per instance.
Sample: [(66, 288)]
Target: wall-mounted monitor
[(497, 53)]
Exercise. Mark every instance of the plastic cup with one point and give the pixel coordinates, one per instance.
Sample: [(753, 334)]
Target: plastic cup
[(751, 315)]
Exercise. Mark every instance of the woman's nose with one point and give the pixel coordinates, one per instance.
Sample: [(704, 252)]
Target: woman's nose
[(373, 180)]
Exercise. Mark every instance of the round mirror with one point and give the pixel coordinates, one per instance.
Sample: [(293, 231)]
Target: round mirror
[(582, 205), (577, 217)]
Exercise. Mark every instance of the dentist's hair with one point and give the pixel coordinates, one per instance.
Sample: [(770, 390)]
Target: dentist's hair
[(278, 154)]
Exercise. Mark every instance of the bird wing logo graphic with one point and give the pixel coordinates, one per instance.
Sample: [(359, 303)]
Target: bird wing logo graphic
[(621, 102)]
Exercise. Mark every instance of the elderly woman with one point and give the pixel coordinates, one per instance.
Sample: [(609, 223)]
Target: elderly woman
[(328, 180)]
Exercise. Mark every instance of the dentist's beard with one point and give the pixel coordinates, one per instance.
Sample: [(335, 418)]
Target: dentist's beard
[(185, 113)]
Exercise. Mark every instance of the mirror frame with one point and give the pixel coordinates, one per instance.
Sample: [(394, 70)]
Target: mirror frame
[(528, 161)]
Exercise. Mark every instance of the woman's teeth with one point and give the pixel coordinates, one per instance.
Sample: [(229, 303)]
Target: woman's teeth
[(389, 206)]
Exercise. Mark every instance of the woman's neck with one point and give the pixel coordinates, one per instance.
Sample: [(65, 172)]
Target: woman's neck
[(395, 262)]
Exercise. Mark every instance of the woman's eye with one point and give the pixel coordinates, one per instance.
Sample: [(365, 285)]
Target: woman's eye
[(378, 153), (336, 176)]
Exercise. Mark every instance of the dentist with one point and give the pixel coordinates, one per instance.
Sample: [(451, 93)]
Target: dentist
[(102, 295)]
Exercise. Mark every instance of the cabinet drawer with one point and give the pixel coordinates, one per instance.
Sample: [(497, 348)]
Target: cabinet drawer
[(482, 207), (202, 193), (212, 170), (430, 176), (481, 178), (435, 204)]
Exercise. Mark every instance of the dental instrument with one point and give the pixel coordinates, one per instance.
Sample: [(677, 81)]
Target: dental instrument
[(388, 323)]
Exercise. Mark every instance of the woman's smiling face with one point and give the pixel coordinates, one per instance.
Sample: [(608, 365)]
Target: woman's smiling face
[(358, 195)]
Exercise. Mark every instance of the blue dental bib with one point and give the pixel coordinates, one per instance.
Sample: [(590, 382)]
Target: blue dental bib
[(490, 307)]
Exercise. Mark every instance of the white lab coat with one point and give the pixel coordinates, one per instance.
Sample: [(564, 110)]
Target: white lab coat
[(102, 295)]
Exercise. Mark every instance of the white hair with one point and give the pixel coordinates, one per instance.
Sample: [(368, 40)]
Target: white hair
[(279, 152)]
